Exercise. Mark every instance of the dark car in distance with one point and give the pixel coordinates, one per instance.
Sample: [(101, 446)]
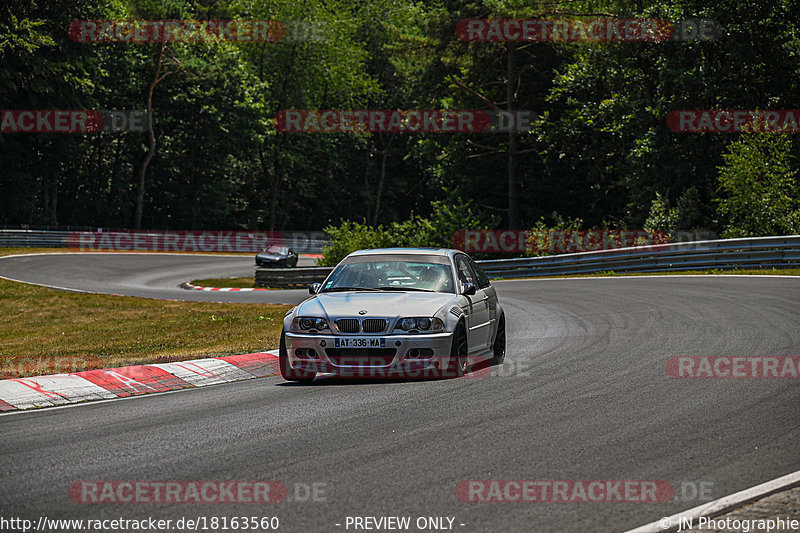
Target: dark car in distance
[(277, 256)]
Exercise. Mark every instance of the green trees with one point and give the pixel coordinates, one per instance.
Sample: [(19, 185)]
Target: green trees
[(600, 149), (759, 186), (435, 231)]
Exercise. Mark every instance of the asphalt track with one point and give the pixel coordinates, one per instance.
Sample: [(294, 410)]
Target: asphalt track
[(141, 274), (584, 394)]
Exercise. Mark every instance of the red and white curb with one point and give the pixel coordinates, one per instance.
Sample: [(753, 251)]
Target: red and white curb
[(121, 382), (191, 287)]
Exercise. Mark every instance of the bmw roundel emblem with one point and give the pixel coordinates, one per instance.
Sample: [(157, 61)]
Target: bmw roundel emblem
[(362, 312)]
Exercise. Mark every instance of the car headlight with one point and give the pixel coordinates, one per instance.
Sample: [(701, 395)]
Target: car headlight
[(419, 324), (309, 323)]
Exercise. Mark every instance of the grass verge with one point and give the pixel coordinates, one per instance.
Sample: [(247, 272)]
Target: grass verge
[(15, 251)]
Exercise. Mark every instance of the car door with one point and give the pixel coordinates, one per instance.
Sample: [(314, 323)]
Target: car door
[(477, 310), (491, 296)]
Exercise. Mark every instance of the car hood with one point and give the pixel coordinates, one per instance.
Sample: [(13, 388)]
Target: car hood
[(376, 304), (270, 255)]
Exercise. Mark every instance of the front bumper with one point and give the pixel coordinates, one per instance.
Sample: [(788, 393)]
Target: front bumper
[(415, 354)]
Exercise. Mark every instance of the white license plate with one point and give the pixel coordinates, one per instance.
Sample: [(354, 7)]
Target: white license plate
[(359, 342)]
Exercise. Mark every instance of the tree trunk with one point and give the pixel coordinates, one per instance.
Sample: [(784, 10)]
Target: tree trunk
[(513, 137), (275, 182), (381, 180), (382, 177), (367, 188), (137, 219), (112, 201), (54, 200)]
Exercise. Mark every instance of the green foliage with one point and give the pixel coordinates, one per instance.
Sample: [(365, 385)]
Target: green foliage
[(687, 214), (452, 215), (351, 236), (16, 35), (759, 185), (539, 242), (435, 231), (661, 217), (600, 149)]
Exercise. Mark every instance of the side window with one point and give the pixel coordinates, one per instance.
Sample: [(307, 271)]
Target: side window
[(483, 279), (465, 273)]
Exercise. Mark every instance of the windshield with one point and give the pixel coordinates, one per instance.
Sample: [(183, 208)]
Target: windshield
[(277, 249), (412, 274)]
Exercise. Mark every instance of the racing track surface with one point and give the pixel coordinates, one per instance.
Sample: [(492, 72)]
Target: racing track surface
[(141, 274), (584, 394)]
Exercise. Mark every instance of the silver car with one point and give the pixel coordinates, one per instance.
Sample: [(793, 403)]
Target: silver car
[(406, 312)]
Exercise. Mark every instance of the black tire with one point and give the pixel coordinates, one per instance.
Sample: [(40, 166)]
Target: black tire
[(287, 372), (500, 342), (291, 262), (457, 364)]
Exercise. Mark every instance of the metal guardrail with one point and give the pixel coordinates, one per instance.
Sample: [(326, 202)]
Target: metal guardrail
[(290, 278), (309, 242), (22, 238), (755, 252)]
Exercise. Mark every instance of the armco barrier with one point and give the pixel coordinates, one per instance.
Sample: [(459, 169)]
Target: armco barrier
[(290, 278), (22, 238), (307, 242), (755, 252)]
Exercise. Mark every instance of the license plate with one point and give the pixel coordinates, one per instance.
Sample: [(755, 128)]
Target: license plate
[(359, 342)]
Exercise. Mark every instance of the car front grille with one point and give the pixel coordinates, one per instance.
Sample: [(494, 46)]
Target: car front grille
[(374, 325), (348, 325), (361, 356)]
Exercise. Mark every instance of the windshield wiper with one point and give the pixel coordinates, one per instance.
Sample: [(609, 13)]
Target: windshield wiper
[(398, 288), (343, 289)]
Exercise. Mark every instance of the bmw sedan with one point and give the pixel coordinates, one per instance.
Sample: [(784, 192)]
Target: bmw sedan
[(406, 312)]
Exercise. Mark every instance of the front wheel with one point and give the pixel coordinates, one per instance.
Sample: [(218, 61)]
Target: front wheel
[(500, 342), (457, 365), (287, 372)]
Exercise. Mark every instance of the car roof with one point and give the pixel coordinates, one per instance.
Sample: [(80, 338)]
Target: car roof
[(407, 251)]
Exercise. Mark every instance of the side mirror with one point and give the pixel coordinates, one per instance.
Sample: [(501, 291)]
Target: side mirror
[(468, 290), (314, 288)]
